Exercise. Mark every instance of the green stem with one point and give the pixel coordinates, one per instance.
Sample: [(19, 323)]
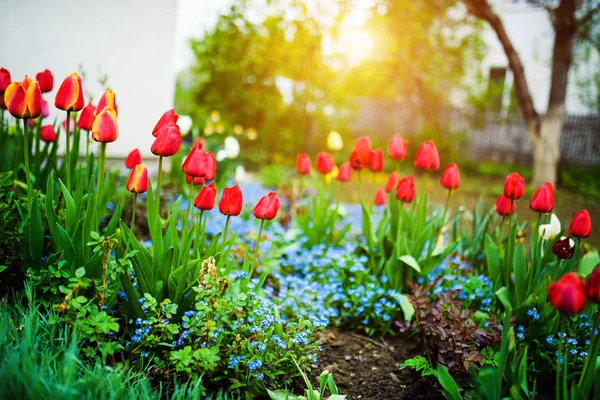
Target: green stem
[(68, 125), (190, 201), (87, 145), (585, 381), (360, 188), (27, 171), (226, 229), (565, 386), (135, 196), (253, 265), (424, 185), (160, 163), (101, 172), (37, 158)]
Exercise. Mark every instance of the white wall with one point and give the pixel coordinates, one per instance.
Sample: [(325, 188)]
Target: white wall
[(132, 41), (532, 36)]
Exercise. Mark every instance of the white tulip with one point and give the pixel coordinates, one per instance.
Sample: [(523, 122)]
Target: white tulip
[(221, 155), (240, 174), (232, 147), (551, 230), (185, 124)]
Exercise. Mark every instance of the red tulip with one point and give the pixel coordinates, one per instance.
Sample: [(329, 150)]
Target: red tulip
[(195, 162), (567, 295), (324, 163), (543, 199), (70, 94), (46, 81), (47, 134), (4, 79), (361, 154), (376, 164), (564, 248), (405, 191), (231, 201), (167, 142), (134, 158), (581, 225), (345, 173), (451, 177), (503, 206), (138, 179), (206, 198), (108, 99), (303, 164), (592, 287), (514, 186), (167, 118), (24, 99), (391, 183), (211, 166), (86, 118), (105, 128), (2, 102), (267, 207), (45, 109), (427, 157), (397, 147), (379, 197), (197, 180)]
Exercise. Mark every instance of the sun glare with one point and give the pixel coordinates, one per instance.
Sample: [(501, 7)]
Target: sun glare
[(356, 45)]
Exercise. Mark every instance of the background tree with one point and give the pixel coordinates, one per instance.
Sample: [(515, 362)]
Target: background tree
[(571, 19)]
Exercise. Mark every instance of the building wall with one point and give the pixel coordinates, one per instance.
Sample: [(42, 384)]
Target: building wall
[(531, 33), (131, 41)]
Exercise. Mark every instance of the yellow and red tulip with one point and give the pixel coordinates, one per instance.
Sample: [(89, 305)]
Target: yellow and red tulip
[(70, 94), (105, 128), (138, 179), (108, 99), (24, 99), (86, 118)]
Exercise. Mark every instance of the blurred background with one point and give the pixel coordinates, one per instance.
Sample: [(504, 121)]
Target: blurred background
[(280, 75)]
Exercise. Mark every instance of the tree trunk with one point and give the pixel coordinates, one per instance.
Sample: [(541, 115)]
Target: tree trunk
[(546, 147)]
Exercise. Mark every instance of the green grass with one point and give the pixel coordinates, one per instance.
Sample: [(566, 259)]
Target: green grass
[(41, 360)]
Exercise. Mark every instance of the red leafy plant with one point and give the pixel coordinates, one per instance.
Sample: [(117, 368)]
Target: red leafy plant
[(448, 330)]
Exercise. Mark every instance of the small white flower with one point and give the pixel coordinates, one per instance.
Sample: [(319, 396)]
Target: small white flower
[(221, 155), (232, 147), (551, 230)]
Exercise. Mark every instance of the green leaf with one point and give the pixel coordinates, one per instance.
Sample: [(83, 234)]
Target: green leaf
[(36, 232), (451, 391), (504, 297), (80, 272), (520, 273), (589, 262), (410, 261), (407, 308), (3, 267)]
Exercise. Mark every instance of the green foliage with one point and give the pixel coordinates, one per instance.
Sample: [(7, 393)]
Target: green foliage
[(420, 364), (325, 383), (12, 227)]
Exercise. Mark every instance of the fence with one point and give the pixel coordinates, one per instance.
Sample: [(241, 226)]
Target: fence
[(505, 139)]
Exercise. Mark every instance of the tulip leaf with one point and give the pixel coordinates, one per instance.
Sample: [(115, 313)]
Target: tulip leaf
[(451, 390), (36, 232), (65, 243), (71, 218), (589, 262), (504, 297), (492, 261), (520, 273), (410, 261), (407, 308)]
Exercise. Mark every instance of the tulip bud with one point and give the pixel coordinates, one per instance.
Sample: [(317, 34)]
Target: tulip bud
[(5, 79), (267, 207), (324, 163), (47, 134), (334, 141), (551, 230), (379, 197), (406, 189), (211, 166), (24, 99), (197, 180), (303, 164), (168, 141), (105, 128), (592, 287), (581, 225), (206, 198), (134, 158), (167, 118), (451, 177), (361, 154), (564, 248), (543, 199), (108, 99), (195, 162), (138, 179), (345, 173), (86, 118), (514, 186), (70, 94), (397, 147), (503, 206), (427, 157), (231, 201), (46, 81), (567, 295), (376, 164), (391, 183)]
